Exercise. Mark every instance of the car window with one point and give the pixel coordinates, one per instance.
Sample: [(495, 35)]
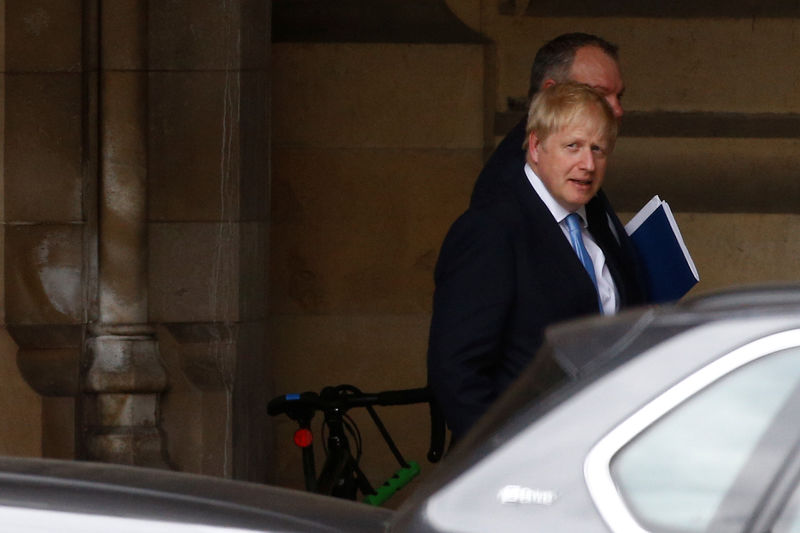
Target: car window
[(705, 465)]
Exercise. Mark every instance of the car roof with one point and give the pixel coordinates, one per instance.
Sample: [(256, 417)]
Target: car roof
[(140, 493), (620, 337)]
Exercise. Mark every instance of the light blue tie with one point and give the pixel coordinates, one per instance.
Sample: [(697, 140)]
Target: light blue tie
[(575, 237)]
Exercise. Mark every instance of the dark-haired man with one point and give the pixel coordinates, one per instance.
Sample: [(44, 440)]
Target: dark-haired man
[(578, 57)]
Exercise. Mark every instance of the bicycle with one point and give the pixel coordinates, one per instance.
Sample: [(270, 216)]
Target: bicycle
[(341, 475)]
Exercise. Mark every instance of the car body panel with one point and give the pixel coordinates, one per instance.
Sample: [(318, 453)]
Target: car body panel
[(536, 478), (161, 498)]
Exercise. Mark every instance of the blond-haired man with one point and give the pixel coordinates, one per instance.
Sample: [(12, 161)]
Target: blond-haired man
[(547, 248), (580, 57)]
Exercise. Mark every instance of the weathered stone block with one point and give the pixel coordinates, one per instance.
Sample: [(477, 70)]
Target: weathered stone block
[(44, 274), (194, 165), (741, 249), (41, 35), (43, 151), (138, 448), (125, 410), (707, 175), (124, 363), (20, 406), (194, 272), (190, 35), (378, 95), (51, 371), (58, 427), (359, 231), (124, 25)]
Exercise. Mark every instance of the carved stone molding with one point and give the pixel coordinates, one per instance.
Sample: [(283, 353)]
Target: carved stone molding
[(121, 411), (49, 357), (637, 8), (383, 21), (207, 353)]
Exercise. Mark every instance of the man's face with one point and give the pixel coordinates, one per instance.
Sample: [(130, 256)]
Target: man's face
[(598, 70), (572, 161)]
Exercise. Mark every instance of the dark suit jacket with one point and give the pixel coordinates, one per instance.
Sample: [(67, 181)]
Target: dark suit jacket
[(505, 272), (502, 165)]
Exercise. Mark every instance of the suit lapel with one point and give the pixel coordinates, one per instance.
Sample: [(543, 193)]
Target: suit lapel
[(544, 233)]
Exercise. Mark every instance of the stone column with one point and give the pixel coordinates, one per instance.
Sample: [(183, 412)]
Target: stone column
[(125, 375)]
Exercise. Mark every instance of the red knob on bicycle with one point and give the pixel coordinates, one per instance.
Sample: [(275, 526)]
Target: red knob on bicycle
[(303, 438)]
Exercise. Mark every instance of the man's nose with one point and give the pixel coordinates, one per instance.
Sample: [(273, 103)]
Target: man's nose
[(587, 160)]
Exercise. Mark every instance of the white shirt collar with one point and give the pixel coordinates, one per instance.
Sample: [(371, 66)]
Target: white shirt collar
[(557, 210)]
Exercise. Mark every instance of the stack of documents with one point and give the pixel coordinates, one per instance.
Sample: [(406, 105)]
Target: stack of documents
[(668, 267)]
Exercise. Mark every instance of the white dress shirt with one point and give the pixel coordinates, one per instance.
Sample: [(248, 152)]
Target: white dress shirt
[(605, 283)]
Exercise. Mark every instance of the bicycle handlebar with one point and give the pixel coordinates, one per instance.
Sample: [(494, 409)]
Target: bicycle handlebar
[(301, 407), (331, 398)]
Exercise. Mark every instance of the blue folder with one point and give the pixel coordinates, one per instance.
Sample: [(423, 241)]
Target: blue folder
[(668, 267)]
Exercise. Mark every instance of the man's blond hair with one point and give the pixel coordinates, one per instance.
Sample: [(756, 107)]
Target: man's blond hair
[(564, 104)]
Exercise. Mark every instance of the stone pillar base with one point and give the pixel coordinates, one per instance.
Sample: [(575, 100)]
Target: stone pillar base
[(135, 446), (121, 405)]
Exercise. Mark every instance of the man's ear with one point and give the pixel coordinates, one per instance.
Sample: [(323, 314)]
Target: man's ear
[(549, 82), (534, 147)]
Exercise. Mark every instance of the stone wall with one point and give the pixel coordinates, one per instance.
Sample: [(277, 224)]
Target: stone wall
[(135, 178)]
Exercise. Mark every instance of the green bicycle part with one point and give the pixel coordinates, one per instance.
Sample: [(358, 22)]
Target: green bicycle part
[(400, 479)]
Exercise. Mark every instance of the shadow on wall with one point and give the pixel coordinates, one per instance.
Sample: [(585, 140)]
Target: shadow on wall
[(368, 21), (19, 405)]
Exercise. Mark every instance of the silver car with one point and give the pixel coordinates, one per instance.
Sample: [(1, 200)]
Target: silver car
[(673, 419), (666, 419)]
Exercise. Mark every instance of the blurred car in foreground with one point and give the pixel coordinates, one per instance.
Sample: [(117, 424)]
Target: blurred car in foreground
[(666, 419), (43, 496), (672, 419)]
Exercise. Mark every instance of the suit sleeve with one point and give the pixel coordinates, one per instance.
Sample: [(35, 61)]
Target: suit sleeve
[(474, 293)]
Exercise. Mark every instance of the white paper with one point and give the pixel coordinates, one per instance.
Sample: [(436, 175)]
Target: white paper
[(642, 215), (679, 237)]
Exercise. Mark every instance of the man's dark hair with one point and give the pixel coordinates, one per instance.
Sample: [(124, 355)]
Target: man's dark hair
[(554, 59)]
